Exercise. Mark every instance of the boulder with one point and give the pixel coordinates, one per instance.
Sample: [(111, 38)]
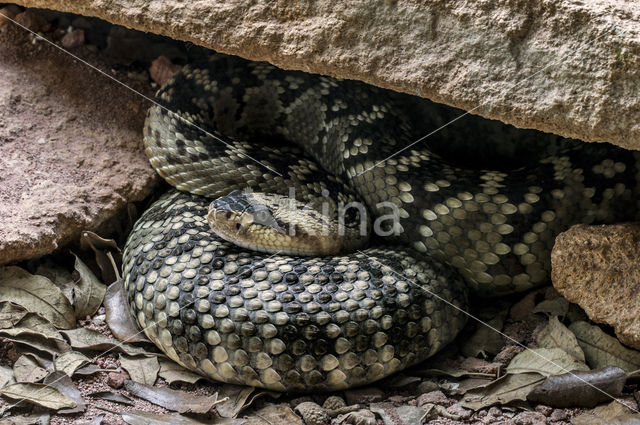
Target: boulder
[(598, 268), (71, 143), (567, 67)]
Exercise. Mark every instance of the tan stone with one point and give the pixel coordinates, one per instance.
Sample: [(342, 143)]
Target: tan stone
[(71, 148), (598, 268), (570, 68)]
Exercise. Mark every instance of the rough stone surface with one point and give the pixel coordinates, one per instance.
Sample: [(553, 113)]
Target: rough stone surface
[(598, 268), (566, 67), (71, 148)]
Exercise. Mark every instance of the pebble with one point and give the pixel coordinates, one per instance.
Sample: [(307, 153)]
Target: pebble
[(116, 379), (434, 397), (427, 386), (558, 415), (460, 411), (530, 418), (73, 39)]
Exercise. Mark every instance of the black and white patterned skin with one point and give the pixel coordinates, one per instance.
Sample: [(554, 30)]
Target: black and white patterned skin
[(492, 229)]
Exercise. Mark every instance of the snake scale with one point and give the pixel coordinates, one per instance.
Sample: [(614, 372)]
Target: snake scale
[(291, 323)]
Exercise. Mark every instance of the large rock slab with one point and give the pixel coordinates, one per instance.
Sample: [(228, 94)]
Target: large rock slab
[(566, 67), (598, 268), (71, 148)]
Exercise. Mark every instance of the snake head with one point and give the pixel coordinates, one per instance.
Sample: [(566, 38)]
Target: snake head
[(272, 223)]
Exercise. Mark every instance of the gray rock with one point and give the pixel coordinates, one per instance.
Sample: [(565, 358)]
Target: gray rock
[(72, 154), (566, 67)]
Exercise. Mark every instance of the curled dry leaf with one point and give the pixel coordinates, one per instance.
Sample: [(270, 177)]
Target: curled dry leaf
[(38, 295), (141, 369), (545, 361), (237, 399), (602, 350), (88, 292), (39, 394), (108, 255), (65, 385), (504, 390), (580, 389), (557, 335), (175, 400), (119, 318)]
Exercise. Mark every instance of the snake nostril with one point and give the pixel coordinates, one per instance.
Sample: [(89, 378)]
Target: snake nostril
[(238, 226), (228, 215)]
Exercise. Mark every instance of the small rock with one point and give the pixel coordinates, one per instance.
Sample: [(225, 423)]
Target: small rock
[(434, 397), (507, 353), (162, 70), (592, 267), (312, 413), (460, 411), (33, 21), (73, 39), (116, 379), (427, 386), (333, 402), (558, 415), (364, 395), (545, 410), (530, 418), (99, 319)]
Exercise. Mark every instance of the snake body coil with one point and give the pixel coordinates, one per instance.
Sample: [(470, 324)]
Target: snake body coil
[(303, 324)]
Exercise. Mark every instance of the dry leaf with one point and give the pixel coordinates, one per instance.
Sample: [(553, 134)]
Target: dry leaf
[(613, 413), (39, 394), (112, 396), (58, 275), (172, 372), (237, 399), (555, 307), (6, 376), (33, 323), (138, 417), (174, 400), (274, 414), (26, 369), (65, 385), (485, 340), (105, 251), (88, 292), (29, 419), (38, 295), (545, 361), (503, 390), (70, 361), (37, 342), (88, 339), (557, 335), (399, 415), (10, 314), (602, 350), (119, 318), (580, 389), (141, 369)]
